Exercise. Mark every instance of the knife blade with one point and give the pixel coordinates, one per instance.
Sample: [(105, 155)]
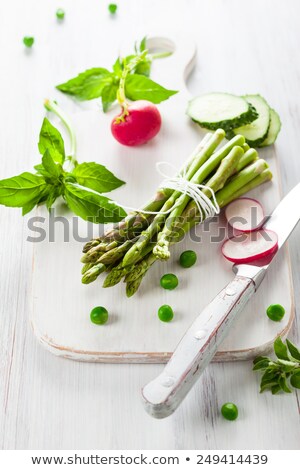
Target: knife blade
[(284, 218), (163, 395)]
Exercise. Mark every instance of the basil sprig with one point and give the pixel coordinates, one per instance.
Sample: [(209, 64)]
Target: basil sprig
[(102, 83), (80, 185), (285, 369)]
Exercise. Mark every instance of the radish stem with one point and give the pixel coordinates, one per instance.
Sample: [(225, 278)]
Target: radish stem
[(121, 97), (54, 108)]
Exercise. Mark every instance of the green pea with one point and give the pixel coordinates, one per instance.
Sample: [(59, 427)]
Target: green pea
[(229, 411), (188, 258), (28, 41), (165, 313), (169, 281), (275, 312), (112, 8), (99, 315), (60, 14)]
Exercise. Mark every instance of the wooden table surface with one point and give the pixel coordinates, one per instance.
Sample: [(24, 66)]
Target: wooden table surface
[(51, 403)]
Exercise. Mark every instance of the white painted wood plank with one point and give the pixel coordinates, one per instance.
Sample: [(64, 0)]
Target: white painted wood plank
[(84, 405)]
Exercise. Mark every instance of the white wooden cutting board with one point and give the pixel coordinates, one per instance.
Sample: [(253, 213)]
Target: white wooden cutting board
[(61, 304)]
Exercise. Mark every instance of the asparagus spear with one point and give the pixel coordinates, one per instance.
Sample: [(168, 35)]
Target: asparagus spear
[(92, 274), (140, 268), (241, 179), (132, 287), (86, 267), (91, 244), (249, 157), (92, 255), (116, 275), (263, 177), (134, 278), (116, 253)]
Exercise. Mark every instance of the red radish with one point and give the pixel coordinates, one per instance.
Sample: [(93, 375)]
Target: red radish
[(140, 125), (245, 214), (245, 248)]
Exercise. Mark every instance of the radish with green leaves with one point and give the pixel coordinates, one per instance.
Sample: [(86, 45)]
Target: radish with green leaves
[(129, 81)]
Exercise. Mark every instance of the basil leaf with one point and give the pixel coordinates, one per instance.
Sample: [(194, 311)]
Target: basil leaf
[(20, 190), (295, 379), (139, 87), (281, 350), (275, 389), (263, 364), (91, 206), (260, 358), (96, 177), (42, 172), (127, 59), (269, 376), (286, 366), (39, 167), (143, 68), (118, 67), (50, 166), (50, 138), (54, 193), (283, 385), (109, 95), (87, 85), (294, 351), (28, 207), (143, 44), (268, 385)]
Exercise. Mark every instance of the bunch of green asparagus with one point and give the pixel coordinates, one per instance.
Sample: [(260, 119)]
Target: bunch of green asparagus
[(131, 247)]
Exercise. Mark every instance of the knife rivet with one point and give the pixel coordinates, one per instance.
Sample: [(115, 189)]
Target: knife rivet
[(167, 381), (230, 291), (200, 334)]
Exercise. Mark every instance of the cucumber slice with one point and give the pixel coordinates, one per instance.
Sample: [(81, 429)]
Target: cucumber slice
[(221, 110), (256, 132), (275, 126)]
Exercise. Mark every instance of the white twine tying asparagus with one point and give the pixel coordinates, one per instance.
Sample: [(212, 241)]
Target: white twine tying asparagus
[(206, 207)]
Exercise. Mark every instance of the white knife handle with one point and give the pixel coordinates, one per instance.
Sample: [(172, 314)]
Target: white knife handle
[(196, 349)]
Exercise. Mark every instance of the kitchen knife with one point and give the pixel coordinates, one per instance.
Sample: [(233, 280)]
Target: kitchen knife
[(196, 349)]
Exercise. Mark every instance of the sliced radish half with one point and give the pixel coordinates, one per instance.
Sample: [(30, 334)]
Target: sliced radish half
[(248, 247), (245, 214)]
